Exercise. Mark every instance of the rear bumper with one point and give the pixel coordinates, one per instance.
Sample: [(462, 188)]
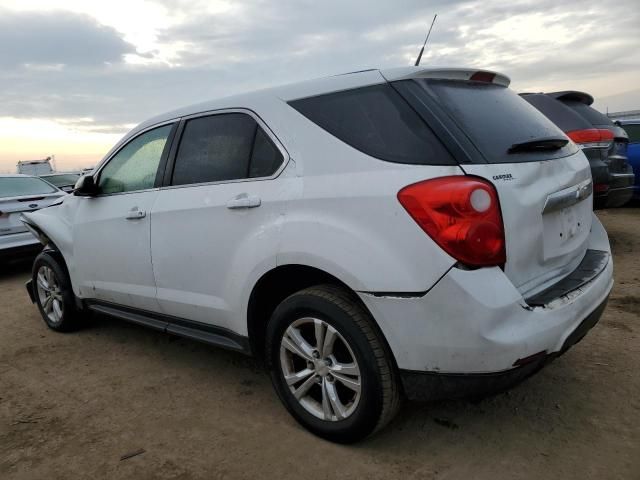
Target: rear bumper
[(430, 386), (17, 244), (477, 322), (621, 189)]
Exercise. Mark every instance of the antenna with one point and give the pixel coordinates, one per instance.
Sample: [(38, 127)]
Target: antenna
[(425, 41)]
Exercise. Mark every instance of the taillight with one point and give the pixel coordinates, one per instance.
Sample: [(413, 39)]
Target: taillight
[(462, 215), (592, 137), (600, 187)]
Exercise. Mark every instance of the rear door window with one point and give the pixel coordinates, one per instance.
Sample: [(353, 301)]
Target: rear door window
[(377, 121), (495, 118), (222, 147)]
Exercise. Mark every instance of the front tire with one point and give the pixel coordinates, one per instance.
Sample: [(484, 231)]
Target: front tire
[(53, 294), (330, 366)]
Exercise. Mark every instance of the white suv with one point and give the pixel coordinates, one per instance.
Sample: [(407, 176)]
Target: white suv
[(418, 232)]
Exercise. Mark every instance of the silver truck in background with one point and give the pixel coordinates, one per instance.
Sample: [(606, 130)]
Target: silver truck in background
[(35, 167)]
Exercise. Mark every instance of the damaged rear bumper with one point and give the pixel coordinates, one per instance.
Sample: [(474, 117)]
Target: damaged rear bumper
[(430, 386), (474, 327)]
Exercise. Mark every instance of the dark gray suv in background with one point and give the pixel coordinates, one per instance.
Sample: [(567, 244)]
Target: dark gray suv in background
[(603, 142)]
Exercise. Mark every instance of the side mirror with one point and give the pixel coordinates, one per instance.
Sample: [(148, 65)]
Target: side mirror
[(85, 186)]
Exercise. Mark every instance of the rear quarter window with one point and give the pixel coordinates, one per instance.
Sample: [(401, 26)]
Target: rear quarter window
[(377, 121)]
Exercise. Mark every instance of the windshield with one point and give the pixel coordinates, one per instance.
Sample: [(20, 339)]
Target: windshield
[(62, 180), (495, 119), (24, 186)]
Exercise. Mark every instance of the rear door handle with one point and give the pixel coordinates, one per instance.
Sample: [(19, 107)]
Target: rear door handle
[(244, 201), (136, 214)]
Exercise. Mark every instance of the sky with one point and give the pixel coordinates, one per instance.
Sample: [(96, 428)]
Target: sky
[(75, 75)]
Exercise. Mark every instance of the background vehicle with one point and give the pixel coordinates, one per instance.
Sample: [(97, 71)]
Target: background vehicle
[(410, 230), (19, 194), (582, 132), (632, 127), (35, 167), (64, 181), (621, 177)]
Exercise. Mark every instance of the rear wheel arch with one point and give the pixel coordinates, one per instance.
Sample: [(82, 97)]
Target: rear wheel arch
[(279, 283)]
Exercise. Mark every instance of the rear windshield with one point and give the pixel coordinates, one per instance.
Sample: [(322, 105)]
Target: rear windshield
[(62, 180), (377, 121), (495, 119), (556, 111), (23, 186), (591, 114)]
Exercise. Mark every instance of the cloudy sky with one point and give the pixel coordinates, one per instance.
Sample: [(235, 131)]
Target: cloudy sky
[(77, 74)]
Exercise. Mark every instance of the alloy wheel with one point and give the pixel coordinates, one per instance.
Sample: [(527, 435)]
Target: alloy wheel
[(320, 369), (50, 294)]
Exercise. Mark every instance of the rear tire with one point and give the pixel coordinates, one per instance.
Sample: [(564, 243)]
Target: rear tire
[(53, 293), (330, 366)]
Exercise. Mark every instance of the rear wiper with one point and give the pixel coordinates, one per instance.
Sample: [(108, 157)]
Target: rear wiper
[(539, 144)]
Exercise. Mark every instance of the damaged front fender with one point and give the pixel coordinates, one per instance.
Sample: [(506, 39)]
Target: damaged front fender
[(52, 227)]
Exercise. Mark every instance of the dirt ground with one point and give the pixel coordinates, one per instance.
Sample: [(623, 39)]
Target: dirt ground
[(71, 405)]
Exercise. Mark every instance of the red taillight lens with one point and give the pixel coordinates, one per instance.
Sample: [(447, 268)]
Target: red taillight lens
[(593, 137), (606, 135), (600, 187), (462, 215)]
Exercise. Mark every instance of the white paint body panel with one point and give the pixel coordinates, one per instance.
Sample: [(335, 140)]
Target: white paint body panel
[(112, 253), (204, 278)]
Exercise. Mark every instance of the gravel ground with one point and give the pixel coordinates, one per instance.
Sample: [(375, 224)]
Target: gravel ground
[(72, 405)]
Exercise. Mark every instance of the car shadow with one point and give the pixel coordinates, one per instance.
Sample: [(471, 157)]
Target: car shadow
[(10, 268)]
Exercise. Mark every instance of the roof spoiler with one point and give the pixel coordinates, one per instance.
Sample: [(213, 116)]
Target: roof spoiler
[(462, 74), (573, 96)]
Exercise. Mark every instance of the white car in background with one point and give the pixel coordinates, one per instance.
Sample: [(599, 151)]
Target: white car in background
[(418, 232), (20, 194)]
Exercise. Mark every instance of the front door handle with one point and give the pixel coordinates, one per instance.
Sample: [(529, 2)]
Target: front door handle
[(136, 214), (244, 201)]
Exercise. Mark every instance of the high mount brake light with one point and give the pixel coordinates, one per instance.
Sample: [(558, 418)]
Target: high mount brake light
[(462, 215), (592, 137), (486, 77)]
